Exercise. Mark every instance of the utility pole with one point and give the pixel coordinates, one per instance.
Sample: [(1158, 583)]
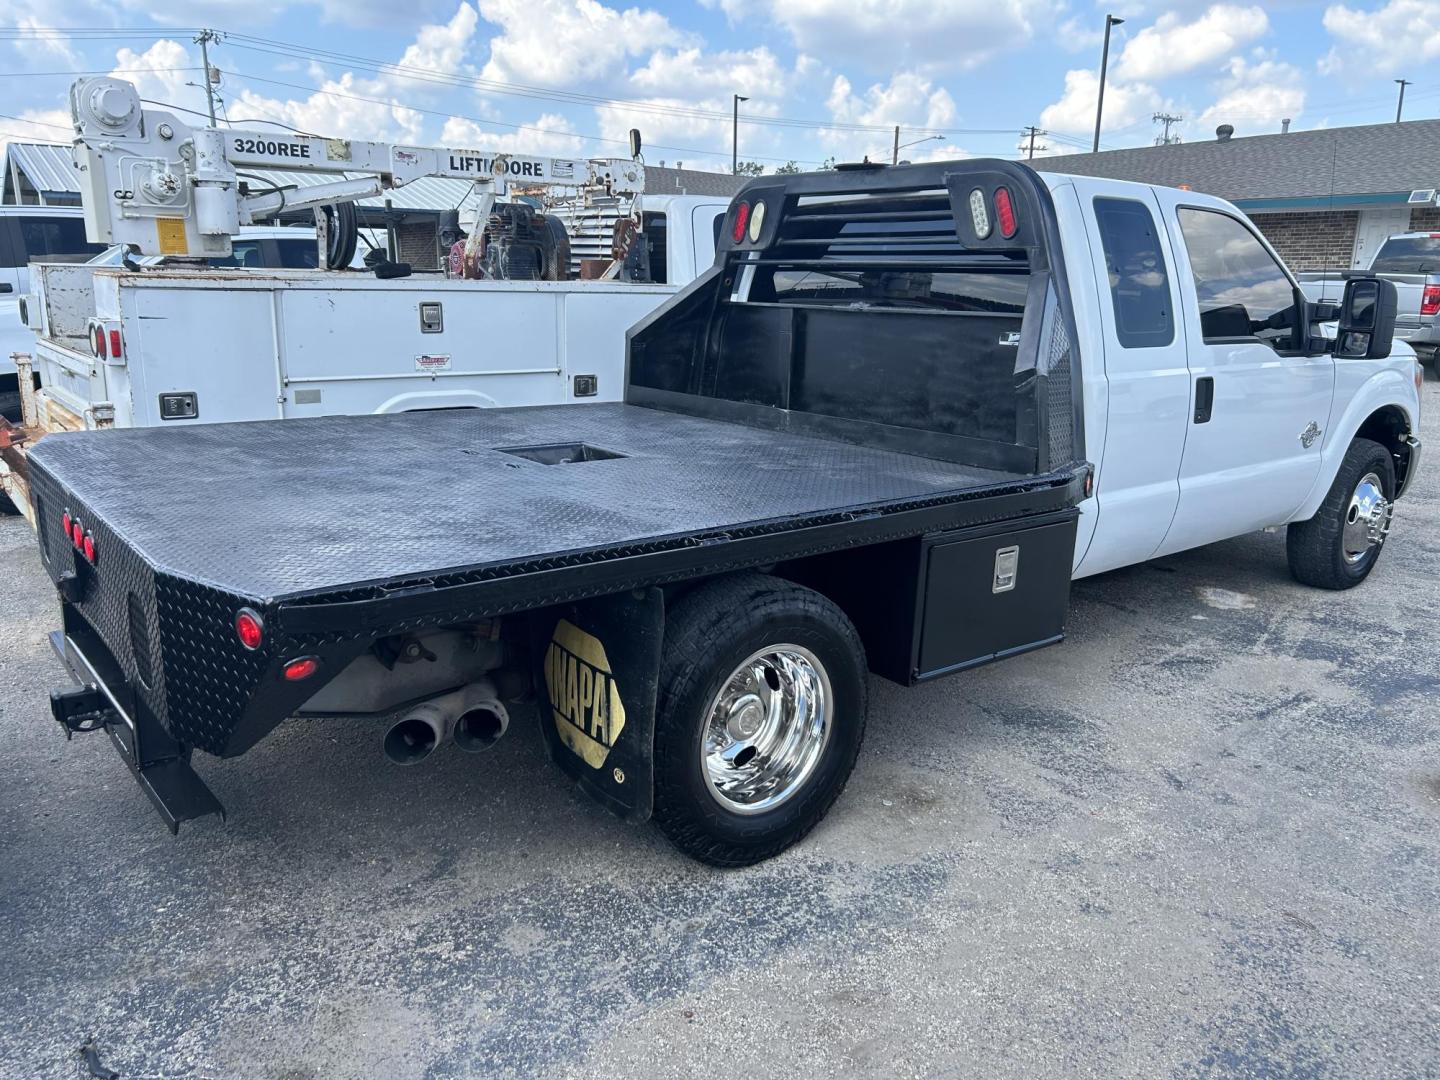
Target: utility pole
[(1400, 105), (895, 154), (1165, 139), (1110, 20), (1030, 133), (735, 135), (207, 36)]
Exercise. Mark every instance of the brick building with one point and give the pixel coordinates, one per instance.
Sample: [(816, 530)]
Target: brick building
[(1325, 199)]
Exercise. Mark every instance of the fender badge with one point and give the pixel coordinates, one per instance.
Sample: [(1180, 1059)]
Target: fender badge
[(1309, 435)]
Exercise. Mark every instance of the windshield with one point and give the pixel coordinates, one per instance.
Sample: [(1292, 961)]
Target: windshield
[(1408, 255)]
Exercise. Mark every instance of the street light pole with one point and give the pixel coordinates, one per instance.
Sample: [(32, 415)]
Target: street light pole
[(895, 154), (1400, 105), (1110, 20), (735, 135)]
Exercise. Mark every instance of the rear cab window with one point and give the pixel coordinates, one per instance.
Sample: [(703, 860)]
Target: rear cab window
[(1408, 255), (46, 237), (1243, 293), (1135, 269)]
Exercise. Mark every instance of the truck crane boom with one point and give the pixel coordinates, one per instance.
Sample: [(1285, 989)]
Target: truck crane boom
[(162, 187)]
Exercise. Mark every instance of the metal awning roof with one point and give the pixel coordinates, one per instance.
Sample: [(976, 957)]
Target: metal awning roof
[(46, 165)]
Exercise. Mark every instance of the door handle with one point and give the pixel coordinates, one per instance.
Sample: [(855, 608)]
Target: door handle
[(1204, 398)]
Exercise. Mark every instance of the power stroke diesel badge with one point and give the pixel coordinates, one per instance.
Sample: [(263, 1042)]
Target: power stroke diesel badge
[(584, 700)]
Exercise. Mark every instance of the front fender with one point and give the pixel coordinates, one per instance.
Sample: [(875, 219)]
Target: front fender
[(1385, 388)]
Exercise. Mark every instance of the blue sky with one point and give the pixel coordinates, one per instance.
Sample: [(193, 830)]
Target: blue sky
[(825, 78)]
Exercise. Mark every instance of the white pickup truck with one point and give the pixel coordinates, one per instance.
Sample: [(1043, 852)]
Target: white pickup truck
[(163, 345), (879, 434), (1412, 262)]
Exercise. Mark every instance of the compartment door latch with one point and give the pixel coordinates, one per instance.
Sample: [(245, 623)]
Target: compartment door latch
[(1007, 568)]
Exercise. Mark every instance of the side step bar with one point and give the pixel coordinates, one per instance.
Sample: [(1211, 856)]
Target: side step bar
[(158, 762)]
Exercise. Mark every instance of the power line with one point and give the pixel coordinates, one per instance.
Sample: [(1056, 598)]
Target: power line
[(382, 67), (485, 121)]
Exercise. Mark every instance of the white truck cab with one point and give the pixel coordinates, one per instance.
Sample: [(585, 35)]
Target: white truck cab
[(1202, 419)]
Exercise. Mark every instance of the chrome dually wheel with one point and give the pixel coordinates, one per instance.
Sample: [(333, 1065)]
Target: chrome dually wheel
[(1367, 518), (766, 729)]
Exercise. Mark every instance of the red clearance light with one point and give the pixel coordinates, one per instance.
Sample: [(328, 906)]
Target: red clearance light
[(1430, 300), (116, 352), (742, 218), (77, 533), (65, 523), (87, 548), (1005, 212), (301, 667), (249, 628)]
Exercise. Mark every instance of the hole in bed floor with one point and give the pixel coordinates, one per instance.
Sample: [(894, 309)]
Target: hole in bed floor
[(560, 453)]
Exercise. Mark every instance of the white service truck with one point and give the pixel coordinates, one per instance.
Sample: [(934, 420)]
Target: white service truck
[(183, 342)]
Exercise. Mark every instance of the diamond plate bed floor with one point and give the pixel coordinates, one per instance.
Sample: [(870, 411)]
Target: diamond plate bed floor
[(272, 508)]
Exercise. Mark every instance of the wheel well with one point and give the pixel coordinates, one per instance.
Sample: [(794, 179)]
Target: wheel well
[(1390, 428)]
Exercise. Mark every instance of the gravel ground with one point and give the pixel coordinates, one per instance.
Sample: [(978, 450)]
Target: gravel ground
[(1202, 838)]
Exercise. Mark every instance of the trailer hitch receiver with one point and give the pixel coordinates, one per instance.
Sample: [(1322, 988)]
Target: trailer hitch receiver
[(83, 708)]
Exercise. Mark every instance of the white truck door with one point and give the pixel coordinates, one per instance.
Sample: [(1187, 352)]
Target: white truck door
[(1147, 381), (1258, 410)]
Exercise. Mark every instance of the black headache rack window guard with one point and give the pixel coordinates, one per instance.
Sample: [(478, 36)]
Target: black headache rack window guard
[(927, 212), (440, 599)]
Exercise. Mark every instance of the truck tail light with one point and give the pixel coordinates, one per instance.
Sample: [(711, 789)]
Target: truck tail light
[(742, 218), (97, 342), (116, 351), (1430, 300), (1005, 213), (249, 628), (302, 667)]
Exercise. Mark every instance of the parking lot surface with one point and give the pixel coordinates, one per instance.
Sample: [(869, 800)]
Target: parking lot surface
[(1201, 838)]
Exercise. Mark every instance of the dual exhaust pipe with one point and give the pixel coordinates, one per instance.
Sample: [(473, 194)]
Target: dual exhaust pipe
[(472, 716)]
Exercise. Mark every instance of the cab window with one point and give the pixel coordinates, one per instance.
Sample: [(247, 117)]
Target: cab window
[(1243, 292), (44, 237), (1135, 267)]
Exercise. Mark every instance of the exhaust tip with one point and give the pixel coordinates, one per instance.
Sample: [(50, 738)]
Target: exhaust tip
[(410, 741), (480, 728)]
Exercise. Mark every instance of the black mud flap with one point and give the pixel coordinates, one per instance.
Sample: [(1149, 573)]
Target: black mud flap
[(599, 668)]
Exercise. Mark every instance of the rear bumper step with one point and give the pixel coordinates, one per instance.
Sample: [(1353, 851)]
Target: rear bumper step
[(157, 761)]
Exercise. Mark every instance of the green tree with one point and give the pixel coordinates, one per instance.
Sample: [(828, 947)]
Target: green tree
[(788, 168), (749, 168)]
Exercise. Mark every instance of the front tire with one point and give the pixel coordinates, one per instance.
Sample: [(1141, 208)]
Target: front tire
[(1339, 546), (760, 717)]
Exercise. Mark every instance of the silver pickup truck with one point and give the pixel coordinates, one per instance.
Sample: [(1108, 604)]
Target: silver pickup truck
[(1412, 262)]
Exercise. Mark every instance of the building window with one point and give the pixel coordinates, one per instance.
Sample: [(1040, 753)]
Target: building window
[(1243, 292), (1135, 266)]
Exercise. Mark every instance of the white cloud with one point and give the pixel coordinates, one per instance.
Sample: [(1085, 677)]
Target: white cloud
[(908, 99), (547, 134), (1255, 97), (902, 35), (1125, 104), (339, 111), (565, 42), (1172, 45), (1402, 33), (754, 73)]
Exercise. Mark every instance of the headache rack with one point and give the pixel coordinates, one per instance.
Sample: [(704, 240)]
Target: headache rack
[(918, 308)]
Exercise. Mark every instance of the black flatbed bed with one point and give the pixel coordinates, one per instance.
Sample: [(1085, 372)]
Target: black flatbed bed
[(293, 509)]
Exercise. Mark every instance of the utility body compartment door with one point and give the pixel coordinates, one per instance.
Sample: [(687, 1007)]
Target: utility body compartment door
[(1254, 437)]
